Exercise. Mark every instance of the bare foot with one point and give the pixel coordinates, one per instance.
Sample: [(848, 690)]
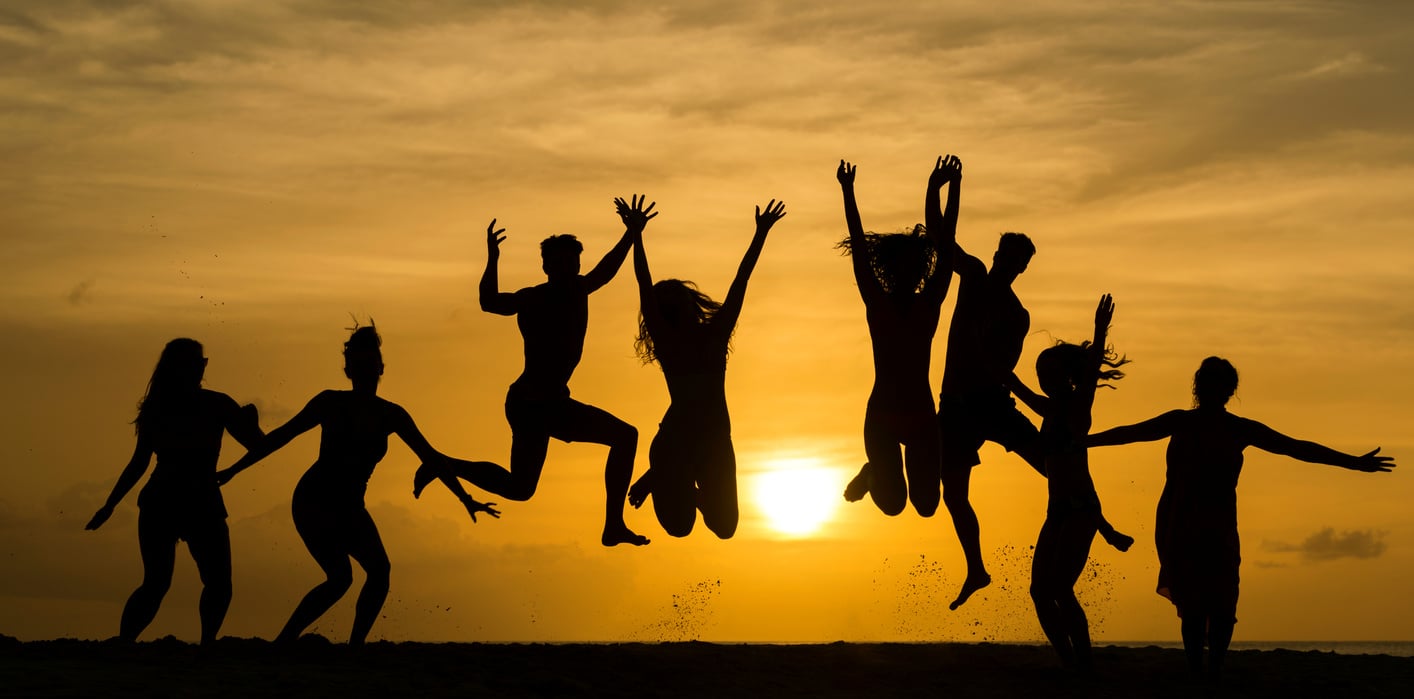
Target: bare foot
[(859, 486), (426, 473), (620, 534), (969, 586), (641, 488), (1116, 539), (474, 506)]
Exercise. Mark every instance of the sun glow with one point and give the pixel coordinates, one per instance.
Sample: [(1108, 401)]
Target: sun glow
[(797, 496)]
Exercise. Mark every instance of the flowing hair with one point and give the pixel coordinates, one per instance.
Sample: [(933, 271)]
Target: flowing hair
[(888, 253), (174, 385), (1070, 363), (681, 304)]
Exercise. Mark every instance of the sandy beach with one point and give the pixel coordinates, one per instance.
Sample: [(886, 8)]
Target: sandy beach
[(244, 668)]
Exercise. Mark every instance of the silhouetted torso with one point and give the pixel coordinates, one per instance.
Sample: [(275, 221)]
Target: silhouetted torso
[(1195, 531), (694, 362), (901, 330), (988, 330), (353, 439), (553, 318), (188, 446), (1068, 481)]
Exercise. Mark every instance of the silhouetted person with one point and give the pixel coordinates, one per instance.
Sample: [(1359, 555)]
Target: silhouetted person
[(903, 318), (1196, 532), (988, 328), (553, 318), (328, 508), (1069, 375), (692, 465), (182, 424)]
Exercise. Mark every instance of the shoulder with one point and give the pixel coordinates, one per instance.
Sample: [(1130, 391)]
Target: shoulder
[(968, 266), (217, 399)]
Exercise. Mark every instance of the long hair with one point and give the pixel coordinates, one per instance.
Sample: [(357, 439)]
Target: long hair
[(1214, 382), (175, 383), (897, 259), (1067, 364), (681, 304)]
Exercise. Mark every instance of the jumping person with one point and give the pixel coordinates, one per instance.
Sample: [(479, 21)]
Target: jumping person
[(182, 424), (1068, 375), (328, 507), (553, 318), (1196, 529), (902, 318), (692, 465)]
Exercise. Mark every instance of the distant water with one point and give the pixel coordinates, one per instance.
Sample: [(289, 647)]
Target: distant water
[(1400, 649)]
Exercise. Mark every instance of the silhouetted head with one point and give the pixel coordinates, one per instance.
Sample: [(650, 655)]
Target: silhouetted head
[(1014, 253), (559, 256), (175, 381), (681, 305), (363, 356), (1063, 368), (1214, 383), (900, 261)]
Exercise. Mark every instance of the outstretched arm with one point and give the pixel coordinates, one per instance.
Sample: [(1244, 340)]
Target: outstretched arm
[(492, 300), (609, 266), (132, 473), (942, 225), (1268, 439), (244, 425), (869, 287), (726, 318), (1153, 429), (305, 420), (407, 431)]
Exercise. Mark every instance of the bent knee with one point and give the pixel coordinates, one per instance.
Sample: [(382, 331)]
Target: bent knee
[(624, 435)]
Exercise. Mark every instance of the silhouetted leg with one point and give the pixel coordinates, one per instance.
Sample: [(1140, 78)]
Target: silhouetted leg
[(1044, 589), (881, 445), (956, 479), (859, 485), (367, 549), (921, 462), (586, 423), (674, 492), (325, 537), (1220, 627), (1195, 631), (211, 550), (717, 488), (158, 545), (1077, 535)]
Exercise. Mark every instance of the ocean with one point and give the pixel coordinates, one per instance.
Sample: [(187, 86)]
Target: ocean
[(1398, 649)]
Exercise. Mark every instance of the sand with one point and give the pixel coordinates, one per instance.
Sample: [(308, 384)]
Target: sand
[(313, 667)]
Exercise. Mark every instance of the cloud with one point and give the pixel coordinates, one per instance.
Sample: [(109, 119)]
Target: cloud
[(82, 293), (1327, 545)]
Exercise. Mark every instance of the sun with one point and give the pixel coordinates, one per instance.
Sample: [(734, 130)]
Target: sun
[(798, 496)]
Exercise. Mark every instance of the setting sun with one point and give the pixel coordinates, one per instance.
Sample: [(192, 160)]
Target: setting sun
[(797, 496)]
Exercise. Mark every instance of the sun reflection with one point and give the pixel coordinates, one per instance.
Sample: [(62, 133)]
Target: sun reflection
[(798, 496)]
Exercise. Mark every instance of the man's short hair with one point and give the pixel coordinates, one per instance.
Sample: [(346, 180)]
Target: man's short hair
[(1017, 242), (561, 244)]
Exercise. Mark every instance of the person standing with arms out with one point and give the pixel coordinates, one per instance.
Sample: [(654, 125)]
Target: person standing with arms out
[(1196, 529), (182, 424), (553, 318)]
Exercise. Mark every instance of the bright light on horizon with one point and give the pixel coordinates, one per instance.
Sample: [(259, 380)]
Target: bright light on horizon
[(797, 495)]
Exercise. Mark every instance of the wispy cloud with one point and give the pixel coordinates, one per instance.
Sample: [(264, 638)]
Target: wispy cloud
[(1327, 545)]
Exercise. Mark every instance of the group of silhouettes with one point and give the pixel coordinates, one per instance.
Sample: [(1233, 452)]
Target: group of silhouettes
[(916, 454)]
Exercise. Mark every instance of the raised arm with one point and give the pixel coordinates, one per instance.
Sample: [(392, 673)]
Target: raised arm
[(492, 299), (306, 419), (869, 287), (609, 266), (647, 302), (132, 473), (1268, 439), (1153, 429), (726, 318), (942, 225), (1104, 314)]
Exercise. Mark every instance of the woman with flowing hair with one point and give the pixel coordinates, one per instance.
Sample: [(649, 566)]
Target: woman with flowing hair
[(182, 424), (902, 278), (1069, 375), (1196, 529), (328, 506), (692, 465)]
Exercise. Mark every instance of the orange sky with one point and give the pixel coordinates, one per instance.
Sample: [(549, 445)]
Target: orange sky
[(1236, 174)]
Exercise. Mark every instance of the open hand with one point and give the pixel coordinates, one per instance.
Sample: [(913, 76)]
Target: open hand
[(845, 174), (474, 506), (494, 238), (1373, 462), (1104, 312), (635, 214), (947, 169), (775, 211)]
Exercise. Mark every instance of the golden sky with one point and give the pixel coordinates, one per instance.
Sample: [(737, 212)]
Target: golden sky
[(1237, 174)]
